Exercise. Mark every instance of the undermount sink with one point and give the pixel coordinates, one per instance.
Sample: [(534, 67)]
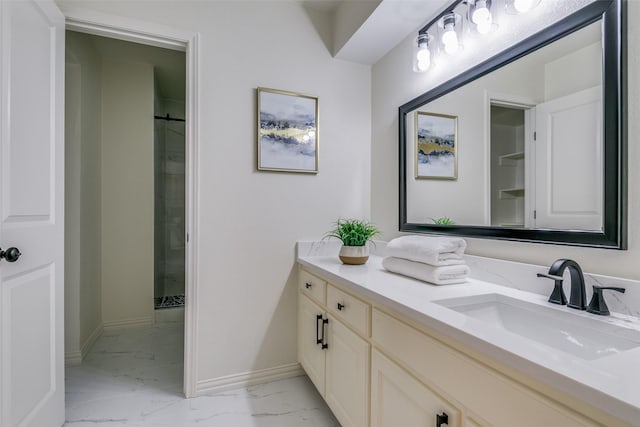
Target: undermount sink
[(580, 336)]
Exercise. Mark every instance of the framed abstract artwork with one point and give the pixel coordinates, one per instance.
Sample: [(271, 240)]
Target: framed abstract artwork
[(287, 131), (436, 137)]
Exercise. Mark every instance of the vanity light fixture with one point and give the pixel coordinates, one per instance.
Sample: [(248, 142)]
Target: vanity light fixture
[(453, 27), (422, 52)]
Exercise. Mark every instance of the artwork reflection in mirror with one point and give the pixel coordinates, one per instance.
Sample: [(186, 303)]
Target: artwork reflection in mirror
[(436, 145), (530, 142)]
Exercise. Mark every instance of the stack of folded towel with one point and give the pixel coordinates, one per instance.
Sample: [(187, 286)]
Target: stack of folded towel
[(437, 260)]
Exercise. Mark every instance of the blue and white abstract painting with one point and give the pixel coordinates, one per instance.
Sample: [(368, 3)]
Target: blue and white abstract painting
[(288, 131)]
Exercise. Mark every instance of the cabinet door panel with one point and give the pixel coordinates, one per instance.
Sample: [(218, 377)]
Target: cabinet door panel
[(347, 376), (398, 399), (310, 355)]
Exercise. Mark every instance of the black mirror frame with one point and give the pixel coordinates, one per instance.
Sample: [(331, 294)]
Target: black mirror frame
[(614, 234)]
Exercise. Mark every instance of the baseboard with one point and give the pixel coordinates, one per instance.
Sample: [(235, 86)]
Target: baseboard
[(248, 378), (117, 324), (91, 340), (73, 358)]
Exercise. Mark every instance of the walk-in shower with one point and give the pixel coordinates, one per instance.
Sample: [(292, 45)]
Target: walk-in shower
[(169, 235)]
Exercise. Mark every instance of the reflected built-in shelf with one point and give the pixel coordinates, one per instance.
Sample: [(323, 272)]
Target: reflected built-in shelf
[(510, 159), (511, 193)]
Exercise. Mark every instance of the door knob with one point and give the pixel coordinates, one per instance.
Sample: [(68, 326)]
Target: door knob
[(11, 254)]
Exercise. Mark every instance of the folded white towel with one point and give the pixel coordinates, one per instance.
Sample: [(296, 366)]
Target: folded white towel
[(442, 275), (429, 250)]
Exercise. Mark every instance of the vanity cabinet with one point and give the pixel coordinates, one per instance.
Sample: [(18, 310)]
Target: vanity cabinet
[(381, 369), (334, 356)]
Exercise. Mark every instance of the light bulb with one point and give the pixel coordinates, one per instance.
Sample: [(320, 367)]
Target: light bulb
[(522, 6), (481, 13), (423, 54), (423, 59), (423, 65), (449, 37), (451, 48)]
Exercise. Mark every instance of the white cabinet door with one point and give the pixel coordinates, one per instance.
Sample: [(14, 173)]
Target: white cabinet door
[(31, 213), (398, 399), (347, 375), (310, 354), (569, 162)]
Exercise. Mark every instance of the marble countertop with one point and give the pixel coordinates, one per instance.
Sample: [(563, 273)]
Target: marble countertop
[(610, 383)]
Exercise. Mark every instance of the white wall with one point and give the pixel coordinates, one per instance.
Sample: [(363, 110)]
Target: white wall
[(127, 192), (83, 300), (571, 73), (393, 83), (249, 220)]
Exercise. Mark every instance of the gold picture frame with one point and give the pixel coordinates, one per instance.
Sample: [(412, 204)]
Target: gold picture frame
[(287, 131), (436, 146)]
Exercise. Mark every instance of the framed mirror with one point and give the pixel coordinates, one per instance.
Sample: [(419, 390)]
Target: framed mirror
[(529, 145)]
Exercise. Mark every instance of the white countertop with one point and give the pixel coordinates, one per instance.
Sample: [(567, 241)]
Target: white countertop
[(611, 383)]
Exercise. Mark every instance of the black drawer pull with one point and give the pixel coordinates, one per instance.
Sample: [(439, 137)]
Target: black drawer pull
[(308, 285), (318, 337), (340, 306), (442, 419), (325, 344)]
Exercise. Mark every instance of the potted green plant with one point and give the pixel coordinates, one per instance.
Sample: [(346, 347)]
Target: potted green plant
[(355, 234)]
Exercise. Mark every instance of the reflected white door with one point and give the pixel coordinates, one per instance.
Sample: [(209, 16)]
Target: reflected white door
[(569, 162), (31, 213)]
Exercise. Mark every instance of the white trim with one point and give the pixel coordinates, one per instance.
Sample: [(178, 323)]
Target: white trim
[(91, 340), (250, 378), (119, 27), (126, 323), (73, 358)]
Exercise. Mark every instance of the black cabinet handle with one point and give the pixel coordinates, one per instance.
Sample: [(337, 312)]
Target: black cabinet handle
[(325, 344), (318, 337), (308, 285), (442, 419), (340, 306)]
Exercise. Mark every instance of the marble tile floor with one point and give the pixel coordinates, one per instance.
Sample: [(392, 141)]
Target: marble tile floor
[(133, 377)]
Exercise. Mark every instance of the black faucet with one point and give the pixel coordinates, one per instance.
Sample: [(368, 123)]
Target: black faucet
[(577, 298)]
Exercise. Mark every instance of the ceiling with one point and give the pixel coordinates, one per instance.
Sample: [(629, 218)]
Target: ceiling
[(366, 30)]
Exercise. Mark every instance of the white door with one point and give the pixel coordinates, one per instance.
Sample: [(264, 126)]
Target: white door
[(569, 162), (31, 213)]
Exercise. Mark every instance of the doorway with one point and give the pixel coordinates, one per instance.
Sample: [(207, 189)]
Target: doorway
[(507, 166), (181, 160)]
